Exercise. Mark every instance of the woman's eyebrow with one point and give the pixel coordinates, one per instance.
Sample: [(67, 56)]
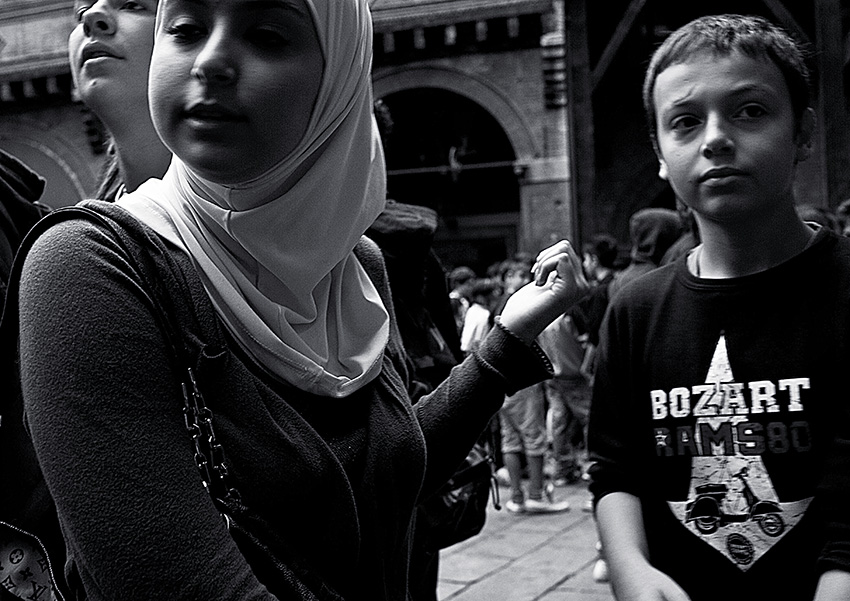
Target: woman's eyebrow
[(275, 4), (257, 4)]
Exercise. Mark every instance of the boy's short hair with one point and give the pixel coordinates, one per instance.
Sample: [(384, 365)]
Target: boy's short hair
[(723, 34)]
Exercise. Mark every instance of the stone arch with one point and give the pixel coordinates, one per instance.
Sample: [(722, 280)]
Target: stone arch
[(68, 176), (503, 109)]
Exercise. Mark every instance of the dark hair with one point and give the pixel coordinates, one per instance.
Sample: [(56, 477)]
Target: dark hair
[(722, 35), (604, 248), (111, 180)]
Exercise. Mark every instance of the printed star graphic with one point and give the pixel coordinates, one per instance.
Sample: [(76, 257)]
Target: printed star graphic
[(726, 489)]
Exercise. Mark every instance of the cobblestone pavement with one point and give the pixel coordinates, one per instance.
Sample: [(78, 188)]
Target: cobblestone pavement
[(523, 557)]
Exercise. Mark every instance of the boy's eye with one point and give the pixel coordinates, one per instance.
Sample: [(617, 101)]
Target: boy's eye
[(132, 6), (684, 123), (752, 111)]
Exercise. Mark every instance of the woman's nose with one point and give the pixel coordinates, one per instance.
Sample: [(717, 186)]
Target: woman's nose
[(98, 20), (213, 65)]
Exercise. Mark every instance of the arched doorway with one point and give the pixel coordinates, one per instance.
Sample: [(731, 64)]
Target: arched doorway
[(446, 152)]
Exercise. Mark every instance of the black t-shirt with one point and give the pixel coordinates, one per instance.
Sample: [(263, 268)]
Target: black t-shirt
[(722, 404)]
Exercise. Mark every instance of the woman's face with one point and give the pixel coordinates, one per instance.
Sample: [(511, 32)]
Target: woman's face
[(233, 83), (110, 52)]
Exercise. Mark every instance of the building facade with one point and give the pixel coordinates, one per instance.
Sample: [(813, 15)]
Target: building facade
[(486, 76)]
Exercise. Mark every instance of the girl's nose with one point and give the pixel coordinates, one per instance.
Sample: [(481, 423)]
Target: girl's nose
[(98, 20), (213, 65), (717, 140)]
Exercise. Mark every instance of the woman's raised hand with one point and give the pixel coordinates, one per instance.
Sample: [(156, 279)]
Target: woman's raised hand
[(558, 284)]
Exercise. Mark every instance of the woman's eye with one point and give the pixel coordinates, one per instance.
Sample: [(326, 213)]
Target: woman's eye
[(267, 38), (80, 11), (185, 31)]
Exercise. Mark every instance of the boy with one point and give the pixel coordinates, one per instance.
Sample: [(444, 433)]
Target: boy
[(719, 423)]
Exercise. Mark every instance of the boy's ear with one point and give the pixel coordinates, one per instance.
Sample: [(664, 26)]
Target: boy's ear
[(663, 172), (805, 135)]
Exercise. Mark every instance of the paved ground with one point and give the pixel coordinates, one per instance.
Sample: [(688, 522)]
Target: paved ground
[(527, 557)]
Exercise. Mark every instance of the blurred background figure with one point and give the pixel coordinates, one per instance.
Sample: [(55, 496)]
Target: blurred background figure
[(653, 231), (460, 281), (20, 189), (483, 295), (689, 238), (823, 216)]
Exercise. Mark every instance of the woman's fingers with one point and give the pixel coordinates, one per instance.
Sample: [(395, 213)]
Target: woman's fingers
[(560, 259)]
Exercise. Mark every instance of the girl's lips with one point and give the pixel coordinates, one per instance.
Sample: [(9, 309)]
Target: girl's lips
[(96, 50), (212, 112)]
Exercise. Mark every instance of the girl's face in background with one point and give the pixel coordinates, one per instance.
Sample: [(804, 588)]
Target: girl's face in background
[(110, 52), (233, 83)]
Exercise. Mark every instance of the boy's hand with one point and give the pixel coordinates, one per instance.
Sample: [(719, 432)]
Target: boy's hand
[(648, 585), (559, 283)]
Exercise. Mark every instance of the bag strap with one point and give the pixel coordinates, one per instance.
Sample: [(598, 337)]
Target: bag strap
[(184, 313), (177, 309)]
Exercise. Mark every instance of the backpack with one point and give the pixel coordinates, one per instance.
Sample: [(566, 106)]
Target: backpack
[(458, 511)]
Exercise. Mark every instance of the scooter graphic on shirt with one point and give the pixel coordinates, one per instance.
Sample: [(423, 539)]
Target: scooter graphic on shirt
[(706, 510)]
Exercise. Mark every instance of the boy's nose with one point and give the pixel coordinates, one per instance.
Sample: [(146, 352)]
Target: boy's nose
[(716, 139)]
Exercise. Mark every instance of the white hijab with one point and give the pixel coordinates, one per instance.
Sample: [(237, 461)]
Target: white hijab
[(279, 267)]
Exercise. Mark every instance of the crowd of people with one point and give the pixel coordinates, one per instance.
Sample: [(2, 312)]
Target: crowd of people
[(222, 382)]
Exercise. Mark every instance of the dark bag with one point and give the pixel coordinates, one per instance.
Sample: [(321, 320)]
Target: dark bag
[(28, 522), (458, 510)]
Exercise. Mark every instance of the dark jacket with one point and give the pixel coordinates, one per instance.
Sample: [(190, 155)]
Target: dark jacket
[(20, 188), (335, 481)]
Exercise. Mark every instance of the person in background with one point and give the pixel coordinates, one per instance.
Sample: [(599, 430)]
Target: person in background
[(405, 233), (600, 266), (109, 51), (483, 295), (689, 238), (842, 212), (568, 398), (20, 190), (822, 216), (652, 231), (460, 280), (719, 428)]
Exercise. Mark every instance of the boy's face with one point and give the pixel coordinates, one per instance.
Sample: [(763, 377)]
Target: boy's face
[(727, 137), (233, 83)]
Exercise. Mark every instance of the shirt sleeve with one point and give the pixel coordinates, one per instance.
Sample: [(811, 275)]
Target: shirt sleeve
[(611, 428), (104, 408)]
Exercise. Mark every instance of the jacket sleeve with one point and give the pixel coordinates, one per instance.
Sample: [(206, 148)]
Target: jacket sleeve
[(454, 415), (103, 405)]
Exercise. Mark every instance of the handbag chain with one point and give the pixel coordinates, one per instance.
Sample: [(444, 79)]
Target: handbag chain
[(209, 454)]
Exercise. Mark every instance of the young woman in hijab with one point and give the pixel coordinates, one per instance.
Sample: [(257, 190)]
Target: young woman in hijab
[(278, 171), (109, 51)]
